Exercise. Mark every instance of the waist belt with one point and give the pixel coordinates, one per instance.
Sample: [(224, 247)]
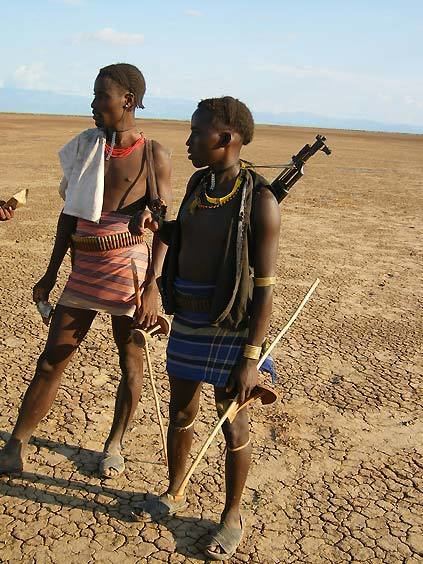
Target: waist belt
[(106, 242), (194, 304)]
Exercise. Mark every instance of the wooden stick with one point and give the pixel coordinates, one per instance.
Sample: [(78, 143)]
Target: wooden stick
[(228, 413), (156, 398), (147, 356), (288, 325), (136, 286), (231, 412)]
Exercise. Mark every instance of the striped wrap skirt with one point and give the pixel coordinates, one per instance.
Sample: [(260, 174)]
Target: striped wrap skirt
[(102, 280), (199, 351)]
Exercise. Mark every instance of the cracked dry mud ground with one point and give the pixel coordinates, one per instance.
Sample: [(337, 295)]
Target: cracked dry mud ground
[(337, 470)]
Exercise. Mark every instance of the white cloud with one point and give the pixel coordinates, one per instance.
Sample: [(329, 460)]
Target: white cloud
[(385, 88), (113, 37), (193, 13), (411, 101), (30, 76), (335, 91)]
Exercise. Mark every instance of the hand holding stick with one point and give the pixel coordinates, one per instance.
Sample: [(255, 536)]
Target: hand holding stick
[(141, 338), (234, 407)]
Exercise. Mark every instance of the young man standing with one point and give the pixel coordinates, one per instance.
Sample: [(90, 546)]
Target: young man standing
[(217, 280), (105, 183)]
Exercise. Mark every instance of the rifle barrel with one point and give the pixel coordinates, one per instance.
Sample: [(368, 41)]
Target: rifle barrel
[(282, 165)]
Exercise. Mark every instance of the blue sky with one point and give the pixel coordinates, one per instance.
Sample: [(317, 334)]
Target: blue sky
[(340, 58)]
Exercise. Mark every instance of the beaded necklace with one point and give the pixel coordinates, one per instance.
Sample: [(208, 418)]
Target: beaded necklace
[(204, 201), (119, 153)]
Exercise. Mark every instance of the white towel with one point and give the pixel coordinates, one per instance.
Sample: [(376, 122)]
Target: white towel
[(82, 185)]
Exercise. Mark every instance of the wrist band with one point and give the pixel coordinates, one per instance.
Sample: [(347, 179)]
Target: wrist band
[(252, 352), (265, 281)]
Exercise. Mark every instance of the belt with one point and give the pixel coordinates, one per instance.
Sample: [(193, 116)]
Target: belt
[(194, 304), (106, 242)]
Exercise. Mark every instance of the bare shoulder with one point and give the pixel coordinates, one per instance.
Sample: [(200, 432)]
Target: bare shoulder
[(266, 211), (161, 153)]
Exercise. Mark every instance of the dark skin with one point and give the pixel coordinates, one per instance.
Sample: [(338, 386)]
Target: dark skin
[(6, 212), (219, 148), (124, 184)]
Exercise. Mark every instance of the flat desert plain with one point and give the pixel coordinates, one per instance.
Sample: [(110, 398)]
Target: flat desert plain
[(337, 462)]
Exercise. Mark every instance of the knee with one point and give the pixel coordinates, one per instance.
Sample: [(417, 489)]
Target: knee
[(237, 433), (130, 362), (182, 418), (46, 368)]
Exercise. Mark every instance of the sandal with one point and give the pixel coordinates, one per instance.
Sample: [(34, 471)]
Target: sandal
[(228, 539), (161, 506), (111, 465)]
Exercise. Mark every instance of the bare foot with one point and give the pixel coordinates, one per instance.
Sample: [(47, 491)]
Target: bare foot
[(11, 460)]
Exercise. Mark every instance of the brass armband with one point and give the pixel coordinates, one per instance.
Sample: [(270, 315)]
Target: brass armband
[(265, 281), (252, 352)]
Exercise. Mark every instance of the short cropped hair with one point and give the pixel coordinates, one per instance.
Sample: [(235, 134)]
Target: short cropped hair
[(129, 77), (231, 113)]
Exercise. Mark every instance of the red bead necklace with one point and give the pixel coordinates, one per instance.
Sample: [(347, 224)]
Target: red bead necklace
[(119, 153)]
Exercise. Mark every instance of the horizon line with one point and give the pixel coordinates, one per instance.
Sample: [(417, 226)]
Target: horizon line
[(266, 124)]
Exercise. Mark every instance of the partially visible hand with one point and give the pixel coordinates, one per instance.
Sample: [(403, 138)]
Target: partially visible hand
[(243, 379), (6, 213), (147, 316), (43, 287), (142, 221)]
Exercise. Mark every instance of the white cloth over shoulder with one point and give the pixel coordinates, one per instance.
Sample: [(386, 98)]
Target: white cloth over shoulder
[(82, 185)]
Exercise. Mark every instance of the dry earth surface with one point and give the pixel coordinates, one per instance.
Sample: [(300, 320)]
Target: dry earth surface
[(337, 471)]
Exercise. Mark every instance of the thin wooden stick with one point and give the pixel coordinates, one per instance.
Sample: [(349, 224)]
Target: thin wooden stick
[(231, 412), (147, 356), (288, 325), (228, 413), (156, 398), (136, 286)]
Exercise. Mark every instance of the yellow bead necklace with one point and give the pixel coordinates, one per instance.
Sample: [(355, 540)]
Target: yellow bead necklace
[(204, 201)]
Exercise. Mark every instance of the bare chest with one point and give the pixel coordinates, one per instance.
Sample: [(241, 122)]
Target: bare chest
[(124, 180), (208, 225)]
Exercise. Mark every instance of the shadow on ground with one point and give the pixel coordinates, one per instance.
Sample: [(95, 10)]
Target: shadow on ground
[(99, 499)]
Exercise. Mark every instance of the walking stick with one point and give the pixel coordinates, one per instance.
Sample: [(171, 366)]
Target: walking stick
[(234, 408), (141, 337)]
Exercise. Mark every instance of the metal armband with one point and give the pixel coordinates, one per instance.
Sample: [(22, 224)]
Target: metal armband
[(264, 281)]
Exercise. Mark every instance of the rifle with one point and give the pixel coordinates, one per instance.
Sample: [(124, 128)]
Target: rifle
[(294, 170)]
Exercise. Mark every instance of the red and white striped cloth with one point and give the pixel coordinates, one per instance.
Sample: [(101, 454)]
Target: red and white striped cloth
[(102, 280)]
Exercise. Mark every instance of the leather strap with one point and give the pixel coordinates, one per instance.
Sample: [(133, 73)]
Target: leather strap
[(240, 447), (151, 171), (193, 304)]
